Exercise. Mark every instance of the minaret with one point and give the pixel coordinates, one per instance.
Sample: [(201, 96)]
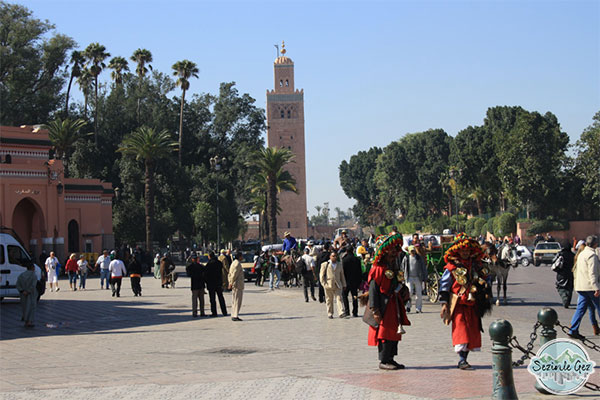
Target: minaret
[(285, 128)]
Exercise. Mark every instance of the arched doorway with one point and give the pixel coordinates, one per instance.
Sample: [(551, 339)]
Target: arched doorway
[(73, 236), (28, 222)]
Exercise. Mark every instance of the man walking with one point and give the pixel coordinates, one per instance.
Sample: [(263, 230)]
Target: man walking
[(195, 271), (353, 276), (275, 271), (308, 274), (236, 285), (415, 272), (333, 281), (214, 284), (323, 257), (52, 271), (27, 287), (587, 284), (103, 262), (225, 262), (117, 272)]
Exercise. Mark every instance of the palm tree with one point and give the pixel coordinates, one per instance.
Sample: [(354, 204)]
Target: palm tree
[(96, 54), (118, 65), (148, 145), (141, 57), (270, 162), (284, 182), (184, 70), (63, 135), (84, 81), (77, 60)]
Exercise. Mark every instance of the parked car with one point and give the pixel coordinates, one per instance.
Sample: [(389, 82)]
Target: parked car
[(545, 252), (248, 266), (14, 260), (524, 255)]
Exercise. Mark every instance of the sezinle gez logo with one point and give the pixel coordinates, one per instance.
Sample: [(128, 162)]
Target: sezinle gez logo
[(561, 366)]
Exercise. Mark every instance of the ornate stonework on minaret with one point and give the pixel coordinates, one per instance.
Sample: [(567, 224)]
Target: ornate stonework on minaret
[(285, 128)]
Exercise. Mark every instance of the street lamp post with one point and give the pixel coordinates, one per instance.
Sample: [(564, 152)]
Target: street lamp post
[(215, 163)]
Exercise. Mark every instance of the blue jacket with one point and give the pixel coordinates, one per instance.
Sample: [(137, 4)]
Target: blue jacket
[(289, 244)]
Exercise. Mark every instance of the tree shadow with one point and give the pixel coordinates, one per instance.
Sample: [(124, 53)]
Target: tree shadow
[(67, 317)]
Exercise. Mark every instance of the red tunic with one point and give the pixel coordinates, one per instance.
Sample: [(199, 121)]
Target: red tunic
[(388, 328), (465, 322)]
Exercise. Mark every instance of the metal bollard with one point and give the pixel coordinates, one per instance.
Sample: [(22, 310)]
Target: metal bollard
[(504, 385), (547, 317)]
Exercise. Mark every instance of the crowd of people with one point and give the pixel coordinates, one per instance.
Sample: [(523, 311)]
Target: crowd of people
[(385, 275)]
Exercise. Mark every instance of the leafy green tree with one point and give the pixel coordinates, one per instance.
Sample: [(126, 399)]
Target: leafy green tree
[(95, 54), (357, 181), (587, 165), (271, 162), (77, 62), (531, 154), (473, 153), (183, 70), (149, 146), (408, 174), (63, 134), (119, 66), (32, 60)]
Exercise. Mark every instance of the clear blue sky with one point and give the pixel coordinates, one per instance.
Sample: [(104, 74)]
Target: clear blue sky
[(371, 71)]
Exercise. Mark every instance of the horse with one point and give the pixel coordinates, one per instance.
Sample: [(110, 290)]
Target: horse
[(499, 262), (289, 275)]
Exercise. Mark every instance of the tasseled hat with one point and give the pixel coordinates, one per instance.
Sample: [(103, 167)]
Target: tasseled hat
[(386, 243), (462, 241)]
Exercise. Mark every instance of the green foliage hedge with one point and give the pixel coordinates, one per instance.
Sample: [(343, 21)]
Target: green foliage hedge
[(547, 225), (505, 224)]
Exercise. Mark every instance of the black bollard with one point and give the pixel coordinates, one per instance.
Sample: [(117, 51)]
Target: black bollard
[(504, 385), (547, 317)]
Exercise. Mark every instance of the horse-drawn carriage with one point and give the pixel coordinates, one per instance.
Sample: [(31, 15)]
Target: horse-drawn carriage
[(436, 248)]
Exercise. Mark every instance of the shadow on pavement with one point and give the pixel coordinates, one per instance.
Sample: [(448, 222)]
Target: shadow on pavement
[(67, 317)]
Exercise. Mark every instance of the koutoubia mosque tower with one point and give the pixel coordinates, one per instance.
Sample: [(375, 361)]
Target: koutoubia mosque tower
[(285, 128)]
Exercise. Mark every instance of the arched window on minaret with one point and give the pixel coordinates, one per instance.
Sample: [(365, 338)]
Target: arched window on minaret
[(282, 114), (289, 114), (281, 83), (287, 83)]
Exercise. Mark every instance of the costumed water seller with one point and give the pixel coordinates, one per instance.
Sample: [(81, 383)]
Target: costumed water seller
[(465, 294)]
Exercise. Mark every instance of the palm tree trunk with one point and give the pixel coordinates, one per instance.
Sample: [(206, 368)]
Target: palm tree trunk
[(149, 203), (67, 99), (479, 209), (85, 96), (272, 207), (96, 112), (181, 126)]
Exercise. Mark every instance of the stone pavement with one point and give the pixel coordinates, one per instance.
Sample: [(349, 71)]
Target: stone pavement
[(87, 344)]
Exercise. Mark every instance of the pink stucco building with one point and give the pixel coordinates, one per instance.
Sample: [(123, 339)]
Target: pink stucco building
[(47, 210)]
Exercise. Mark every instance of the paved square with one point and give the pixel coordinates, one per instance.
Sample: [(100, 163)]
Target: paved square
[(87, 344)]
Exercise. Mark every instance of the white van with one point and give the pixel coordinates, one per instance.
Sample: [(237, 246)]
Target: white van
[(13, 261)]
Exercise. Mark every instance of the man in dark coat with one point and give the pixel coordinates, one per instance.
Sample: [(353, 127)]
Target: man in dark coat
[(323, 257), (135, 275), (353, 275), (564, 273), (214, 284), (196, 272)]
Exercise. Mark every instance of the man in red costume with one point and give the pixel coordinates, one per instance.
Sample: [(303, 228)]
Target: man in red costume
[(465, 295), (385, 301)]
